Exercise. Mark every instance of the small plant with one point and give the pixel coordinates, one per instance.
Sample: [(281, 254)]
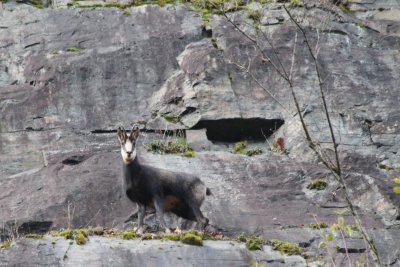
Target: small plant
[(79, 235), (80, 238), (396, 189), (254, 15), (255, 151), (256, 264), (128, 234), (192, 239), (147, 236), (96, 230), (126, 13), (72, 49), (385, 167), (37, 3), (285, 247), (5, 244), (317, 184), (242, 237), (176, 146), (254, 243), (318, 225), (34, 236), (170, 117), (172, 237), (347, 230), (240, 148), (279, 146)]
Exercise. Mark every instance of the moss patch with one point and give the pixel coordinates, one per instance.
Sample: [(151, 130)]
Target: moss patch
[(318, 225), (192, 239), (317, 184), (37, 3), (5, 244), (34, 236), (254, 243), (172, 237), (240, 148), (147, 236), (72, 49), (285, 247), (170, 117), (176, 146), (128, 234)]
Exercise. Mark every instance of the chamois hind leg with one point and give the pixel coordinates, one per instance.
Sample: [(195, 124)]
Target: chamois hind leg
[(159, 205), (141, 214)]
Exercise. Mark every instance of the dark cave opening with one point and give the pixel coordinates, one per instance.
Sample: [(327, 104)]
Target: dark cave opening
[(234, 130)]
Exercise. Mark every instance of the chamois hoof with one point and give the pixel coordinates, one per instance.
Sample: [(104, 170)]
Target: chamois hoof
[(139, 231)]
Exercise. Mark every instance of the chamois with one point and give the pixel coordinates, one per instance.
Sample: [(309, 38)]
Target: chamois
[(162, 190)]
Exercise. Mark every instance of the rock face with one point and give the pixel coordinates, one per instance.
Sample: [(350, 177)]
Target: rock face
[(69, 77), (58, 252)]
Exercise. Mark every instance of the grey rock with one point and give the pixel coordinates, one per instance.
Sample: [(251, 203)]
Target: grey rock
[(101, 251)]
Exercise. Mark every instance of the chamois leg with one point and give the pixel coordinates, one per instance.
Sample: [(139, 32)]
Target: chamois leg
[(159, 205), (201, 220), (141, 214)]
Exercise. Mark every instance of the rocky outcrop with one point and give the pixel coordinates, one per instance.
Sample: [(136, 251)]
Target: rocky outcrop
[(58, 252), (69, 77)]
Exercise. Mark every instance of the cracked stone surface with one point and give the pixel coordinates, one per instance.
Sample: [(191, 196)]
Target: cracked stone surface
[(69, 77)]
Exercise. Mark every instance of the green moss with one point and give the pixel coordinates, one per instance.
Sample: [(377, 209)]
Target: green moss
[(176, 146), (396, 180), (294, 2), (96, 230), (189, 154), (5, 244), (255, 151), (318, 225), (154, 115), (385, 167), (396, 189), (285, 247), (172, 237), (34, 236), (80, 238), (37, 3), (192, 239), (72, 49), (254, 243), (170, 117), (128, 234), (147, 236), (242, 237), (67, 233), (239, 147), (126, 13), (317, 184), (254, 15), (256, 264)]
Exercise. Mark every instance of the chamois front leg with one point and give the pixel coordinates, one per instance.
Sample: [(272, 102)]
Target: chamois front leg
[(159, 205), (141, 214)]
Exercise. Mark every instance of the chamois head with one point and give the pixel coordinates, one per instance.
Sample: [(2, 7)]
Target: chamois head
[(128, 143)]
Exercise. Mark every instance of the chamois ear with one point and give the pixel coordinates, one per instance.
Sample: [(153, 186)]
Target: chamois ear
[(134, 133), (121, 134)]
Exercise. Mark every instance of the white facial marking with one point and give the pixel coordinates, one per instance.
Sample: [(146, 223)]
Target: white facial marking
[(128, 151)]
